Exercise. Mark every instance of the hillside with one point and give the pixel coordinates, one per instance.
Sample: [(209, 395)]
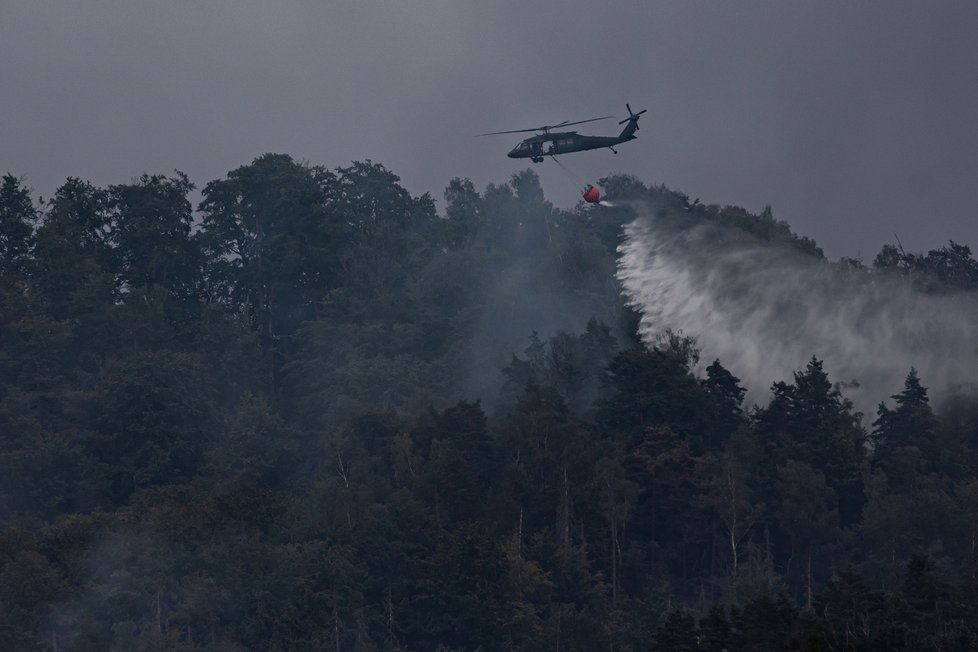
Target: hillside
[(317, 412)]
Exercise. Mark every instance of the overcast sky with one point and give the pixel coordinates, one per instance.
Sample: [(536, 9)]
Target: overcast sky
[(854, 120)]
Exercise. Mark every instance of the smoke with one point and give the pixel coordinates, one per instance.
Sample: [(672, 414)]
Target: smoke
[(764, 309), (519, 299)]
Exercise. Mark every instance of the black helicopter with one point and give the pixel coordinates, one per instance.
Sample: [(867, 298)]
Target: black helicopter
[(565, 142)]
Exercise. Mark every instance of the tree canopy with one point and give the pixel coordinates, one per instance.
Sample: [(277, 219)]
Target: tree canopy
[(314, 412)]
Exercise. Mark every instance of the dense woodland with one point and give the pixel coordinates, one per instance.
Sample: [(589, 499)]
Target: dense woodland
[(316, 413)]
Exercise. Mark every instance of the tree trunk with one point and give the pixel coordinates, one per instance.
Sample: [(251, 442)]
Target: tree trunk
[(519, 536), (336, 626), (614, 560), (732, 485), (390, 618), (563, 511), (808, 580)]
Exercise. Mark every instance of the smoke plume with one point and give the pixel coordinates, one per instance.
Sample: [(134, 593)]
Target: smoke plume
[(764, 309)]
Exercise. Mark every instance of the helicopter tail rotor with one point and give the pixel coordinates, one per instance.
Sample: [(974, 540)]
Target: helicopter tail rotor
[(632, 116), (628, 133)]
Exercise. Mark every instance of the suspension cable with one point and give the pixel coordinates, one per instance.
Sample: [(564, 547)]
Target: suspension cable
[(576, 179)]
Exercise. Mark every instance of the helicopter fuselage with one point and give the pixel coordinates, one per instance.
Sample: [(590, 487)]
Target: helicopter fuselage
[(552, 144)]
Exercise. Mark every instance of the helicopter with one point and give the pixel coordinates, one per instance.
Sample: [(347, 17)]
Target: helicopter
[(565, 142)]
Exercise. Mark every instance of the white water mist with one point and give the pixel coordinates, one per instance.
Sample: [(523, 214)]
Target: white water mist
[(764, 309)]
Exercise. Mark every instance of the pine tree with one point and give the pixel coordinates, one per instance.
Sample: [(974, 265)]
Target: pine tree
[(850, 615), (726, 414), (677, 633), (17, 219), (715, 630), (910, 427)]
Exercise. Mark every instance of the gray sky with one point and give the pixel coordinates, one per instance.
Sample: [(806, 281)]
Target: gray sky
[(854, 120)]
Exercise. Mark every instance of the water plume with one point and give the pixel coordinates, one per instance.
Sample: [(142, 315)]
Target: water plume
[(764, 309)]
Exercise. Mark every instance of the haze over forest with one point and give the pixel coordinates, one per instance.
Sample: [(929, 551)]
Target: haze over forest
[(311, 412), (291, 360)]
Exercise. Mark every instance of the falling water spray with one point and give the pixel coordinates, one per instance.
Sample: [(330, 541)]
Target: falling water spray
[(765, 308)]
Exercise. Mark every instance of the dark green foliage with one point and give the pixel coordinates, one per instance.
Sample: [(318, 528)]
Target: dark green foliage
[(461, 463), (942, 271), (291, 425), (849, 613), (75, 264), (725, 399), (765, 624), (151, 232), (651, 388), (463, 209), (810, 421), (714, 630), (677, 633), (270, 242), (569, 365), (17, 217), (910, 432)]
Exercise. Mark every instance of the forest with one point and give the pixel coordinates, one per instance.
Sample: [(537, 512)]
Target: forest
[(299, 408)]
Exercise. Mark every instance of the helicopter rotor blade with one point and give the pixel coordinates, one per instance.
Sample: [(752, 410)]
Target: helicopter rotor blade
[(580, 122), (545, 128), (513, 131)]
